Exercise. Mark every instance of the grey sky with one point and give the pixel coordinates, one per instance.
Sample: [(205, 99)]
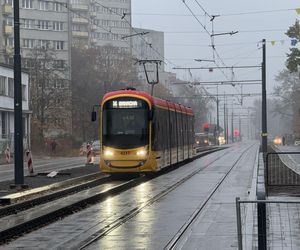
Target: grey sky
[(192, 41)]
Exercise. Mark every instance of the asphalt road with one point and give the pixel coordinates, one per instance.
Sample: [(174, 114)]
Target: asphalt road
[(46, 164)]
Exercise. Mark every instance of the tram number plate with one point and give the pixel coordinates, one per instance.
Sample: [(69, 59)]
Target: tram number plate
[(125, 153)]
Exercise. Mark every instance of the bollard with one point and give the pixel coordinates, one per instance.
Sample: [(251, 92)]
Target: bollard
[(29, 163), (7, 155)]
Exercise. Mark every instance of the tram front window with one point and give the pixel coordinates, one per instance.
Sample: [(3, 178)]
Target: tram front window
[(125, 123)]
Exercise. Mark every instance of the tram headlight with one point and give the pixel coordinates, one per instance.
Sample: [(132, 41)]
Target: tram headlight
[(141, 152), (108, 152)]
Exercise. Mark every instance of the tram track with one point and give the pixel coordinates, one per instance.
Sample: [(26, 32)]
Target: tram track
[(172, 244), (135, 211), (30, 210)]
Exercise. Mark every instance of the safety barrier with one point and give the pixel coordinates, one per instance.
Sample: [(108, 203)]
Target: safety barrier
[(29, 162), (90, 157), (282, 224), (7, 155)]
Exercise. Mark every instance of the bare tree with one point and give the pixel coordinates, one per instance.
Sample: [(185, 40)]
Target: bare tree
[(96, 71), (50, 94)]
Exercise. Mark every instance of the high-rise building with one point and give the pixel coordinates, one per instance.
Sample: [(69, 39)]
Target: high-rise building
[(44, 41), (149, 45), (101, 22)]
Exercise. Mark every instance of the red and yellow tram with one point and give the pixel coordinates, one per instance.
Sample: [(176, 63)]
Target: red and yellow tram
[(141, 133)]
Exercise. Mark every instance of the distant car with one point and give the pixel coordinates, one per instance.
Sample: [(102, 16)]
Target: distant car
[(96, 147), (297, 142), (277, 140)]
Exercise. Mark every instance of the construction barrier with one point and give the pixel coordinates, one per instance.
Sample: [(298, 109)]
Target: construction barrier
[(7, 155), (90, 158), (29, 162)]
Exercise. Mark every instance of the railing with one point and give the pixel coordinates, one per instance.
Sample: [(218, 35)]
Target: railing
[(282, 222), (282, 171)]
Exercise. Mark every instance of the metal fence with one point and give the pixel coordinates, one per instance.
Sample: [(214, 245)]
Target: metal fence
[(282, 169), (282, 224)]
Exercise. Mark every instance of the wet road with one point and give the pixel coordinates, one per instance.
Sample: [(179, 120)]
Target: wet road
[(44, 165), (157, 220)]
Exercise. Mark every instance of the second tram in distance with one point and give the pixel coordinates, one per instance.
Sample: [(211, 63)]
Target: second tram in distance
[(142, 133)]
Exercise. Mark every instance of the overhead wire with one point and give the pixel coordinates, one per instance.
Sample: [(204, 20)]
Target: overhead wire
[(123, 16)]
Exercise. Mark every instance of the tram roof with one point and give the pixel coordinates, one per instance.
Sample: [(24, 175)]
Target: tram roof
[(151, 99)]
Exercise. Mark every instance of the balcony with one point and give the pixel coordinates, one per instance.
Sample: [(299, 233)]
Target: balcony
[(94, 27), (9, 50), (80, 20), (93, 14), (80, 34), (82, 7), (8, 30), (94, 41), (6, 9)]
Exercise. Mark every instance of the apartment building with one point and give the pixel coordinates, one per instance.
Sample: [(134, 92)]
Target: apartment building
[(44, 39), (101, 22), (149, 46), (7, 108)]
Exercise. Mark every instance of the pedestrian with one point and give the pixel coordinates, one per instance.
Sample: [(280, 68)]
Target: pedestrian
[(283, 140), (53, 146)]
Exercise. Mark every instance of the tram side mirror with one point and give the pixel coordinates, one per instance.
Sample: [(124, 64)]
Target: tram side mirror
[(94, 113), (93, 116)]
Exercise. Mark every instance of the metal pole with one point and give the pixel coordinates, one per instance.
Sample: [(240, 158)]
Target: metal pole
[(225, 119), (232, 124), (239, 223), (264, 132), (18, 125), (218, 125), (240, 128)]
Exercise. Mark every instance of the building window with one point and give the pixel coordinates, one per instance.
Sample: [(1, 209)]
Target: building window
[(29, 23), (27, 4), (43, 25), (2, 85), (58, 45), (43, 44), (28, 43), (43, 5), (24, 92), (58, 26), (3, 124), (9, 21), (11, 87), (9, 41), (57, 7)]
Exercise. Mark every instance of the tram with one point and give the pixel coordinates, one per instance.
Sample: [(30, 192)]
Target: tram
[(142, 133)]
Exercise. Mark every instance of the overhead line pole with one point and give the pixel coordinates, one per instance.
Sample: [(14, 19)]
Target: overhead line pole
[(264, 131), (18, 125)]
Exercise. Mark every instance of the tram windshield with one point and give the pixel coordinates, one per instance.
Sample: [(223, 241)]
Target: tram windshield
[(125, 123)]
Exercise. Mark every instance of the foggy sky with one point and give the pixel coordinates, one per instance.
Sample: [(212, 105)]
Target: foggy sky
[(240, 49)]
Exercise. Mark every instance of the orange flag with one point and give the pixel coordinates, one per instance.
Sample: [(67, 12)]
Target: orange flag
[(273, 42)]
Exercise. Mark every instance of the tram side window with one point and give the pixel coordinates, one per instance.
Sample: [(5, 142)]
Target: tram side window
[(173, 129)]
